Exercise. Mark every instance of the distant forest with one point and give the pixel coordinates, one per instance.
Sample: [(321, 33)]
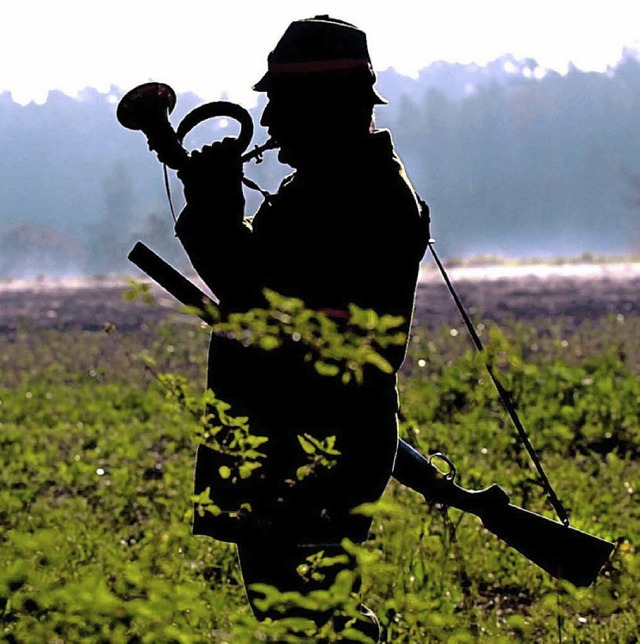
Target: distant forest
[(513, 162)]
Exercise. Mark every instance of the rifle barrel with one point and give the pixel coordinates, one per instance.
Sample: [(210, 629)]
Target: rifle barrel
[(171, 280)]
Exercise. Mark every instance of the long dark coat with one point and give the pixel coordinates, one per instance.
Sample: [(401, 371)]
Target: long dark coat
[(350, 231)]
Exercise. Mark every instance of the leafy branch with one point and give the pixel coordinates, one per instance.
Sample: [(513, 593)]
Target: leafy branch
[(336, 349)]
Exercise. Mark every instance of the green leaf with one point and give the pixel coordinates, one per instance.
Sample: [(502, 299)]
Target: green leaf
[(326, 369), (269, 342), (306, 444)]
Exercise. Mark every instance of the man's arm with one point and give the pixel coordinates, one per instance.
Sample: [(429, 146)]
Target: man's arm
[(211, 226)]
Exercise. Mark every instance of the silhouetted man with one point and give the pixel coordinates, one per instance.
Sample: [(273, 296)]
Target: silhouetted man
[(345, 227)]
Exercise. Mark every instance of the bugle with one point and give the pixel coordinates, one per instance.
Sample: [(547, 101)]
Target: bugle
[(147, 108)]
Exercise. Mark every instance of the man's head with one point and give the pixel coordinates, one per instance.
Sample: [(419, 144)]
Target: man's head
[(324, 51), (320, 85)]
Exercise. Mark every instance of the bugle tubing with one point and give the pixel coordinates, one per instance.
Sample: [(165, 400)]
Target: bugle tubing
[(147, 108)]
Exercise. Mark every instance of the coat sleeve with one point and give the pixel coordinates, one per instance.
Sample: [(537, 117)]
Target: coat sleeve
[(219, 244)]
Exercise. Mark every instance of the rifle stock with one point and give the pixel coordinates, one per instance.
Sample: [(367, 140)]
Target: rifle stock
[(563, 552)]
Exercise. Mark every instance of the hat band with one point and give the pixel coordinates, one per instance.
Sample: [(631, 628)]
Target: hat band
[(338, 64)]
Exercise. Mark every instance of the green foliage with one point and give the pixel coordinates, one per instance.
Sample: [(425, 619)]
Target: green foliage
[(339, 604), (335, 351), (320, 452), (96, 491), (216, 427), (138, 291)]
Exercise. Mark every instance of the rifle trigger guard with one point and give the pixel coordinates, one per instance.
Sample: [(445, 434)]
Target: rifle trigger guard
[(450, 474)]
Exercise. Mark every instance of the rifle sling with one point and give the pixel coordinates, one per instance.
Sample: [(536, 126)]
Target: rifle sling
[(503, 394)]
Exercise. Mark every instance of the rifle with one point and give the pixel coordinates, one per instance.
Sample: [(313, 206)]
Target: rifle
[(562, 551)]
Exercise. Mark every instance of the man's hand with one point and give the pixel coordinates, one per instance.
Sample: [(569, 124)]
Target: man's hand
[(214, 175)]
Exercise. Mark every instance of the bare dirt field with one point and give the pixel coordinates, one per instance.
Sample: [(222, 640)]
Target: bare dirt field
[(490, 293), (541, 292)]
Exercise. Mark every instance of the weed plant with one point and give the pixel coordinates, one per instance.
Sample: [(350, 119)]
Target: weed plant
[(96, 485)]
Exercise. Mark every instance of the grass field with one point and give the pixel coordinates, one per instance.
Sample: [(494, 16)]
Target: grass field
[(95, 490)]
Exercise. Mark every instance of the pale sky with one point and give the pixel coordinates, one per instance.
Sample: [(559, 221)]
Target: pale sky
[(209, 46)]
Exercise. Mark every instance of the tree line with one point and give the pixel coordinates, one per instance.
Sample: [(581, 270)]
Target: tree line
[(513, 160)]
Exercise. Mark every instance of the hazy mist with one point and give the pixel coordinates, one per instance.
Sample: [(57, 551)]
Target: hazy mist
[(513, 162)]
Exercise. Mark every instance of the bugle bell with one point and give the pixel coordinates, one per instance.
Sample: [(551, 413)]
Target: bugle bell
[(147, 108)]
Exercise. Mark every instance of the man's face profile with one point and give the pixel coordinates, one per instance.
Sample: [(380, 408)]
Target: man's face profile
[(294, 120)]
